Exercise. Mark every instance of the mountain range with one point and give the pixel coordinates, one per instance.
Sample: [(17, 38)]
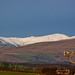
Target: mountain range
[(16, 42), (45, 49)]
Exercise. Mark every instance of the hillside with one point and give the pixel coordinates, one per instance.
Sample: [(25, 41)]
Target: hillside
[(45, 52), (14, 41)]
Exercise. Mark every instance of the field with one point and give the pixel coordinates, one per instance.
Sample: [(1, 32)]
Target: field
[(15, 73)]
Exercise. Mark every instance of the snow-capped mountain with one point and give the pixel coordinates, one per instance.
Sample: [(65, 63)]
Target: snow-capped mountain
[(13, 41)]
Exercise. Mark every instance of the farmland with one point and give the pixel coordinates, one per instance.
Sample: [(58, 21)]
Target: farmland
[(34, 69), (15, 73)]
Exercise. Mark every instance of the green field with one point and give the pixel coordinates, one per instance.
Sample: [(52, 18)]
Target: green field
[(15, 73)]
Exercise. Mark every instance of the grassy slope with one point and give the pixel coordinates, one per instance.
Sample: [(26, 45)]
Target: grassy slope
[(15, 73), (36, 57)]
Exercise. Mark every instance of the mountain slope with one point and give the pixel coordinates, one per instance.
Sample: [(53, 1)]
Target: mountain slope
[(45, 52), (13, 41)]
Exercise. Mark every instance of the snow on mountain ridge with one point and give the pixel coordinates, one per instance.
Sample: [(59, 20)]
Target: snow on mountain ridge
[(30, 40)]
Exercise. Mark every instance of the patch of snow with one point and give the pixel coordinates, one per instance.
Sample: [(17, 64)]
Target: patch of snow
[(30, 40)]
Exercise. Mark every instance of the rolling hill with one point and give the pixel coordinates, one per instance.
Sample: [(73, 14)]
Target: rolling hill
[(43, 52), (16, 42)]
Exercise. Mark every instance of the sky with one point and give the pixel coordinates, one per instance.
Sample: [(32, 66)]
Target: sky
[(25, 18)]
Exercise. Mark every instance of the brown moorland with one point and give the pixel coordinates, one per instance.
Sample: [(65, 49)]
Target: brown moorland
[(44, 52)]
